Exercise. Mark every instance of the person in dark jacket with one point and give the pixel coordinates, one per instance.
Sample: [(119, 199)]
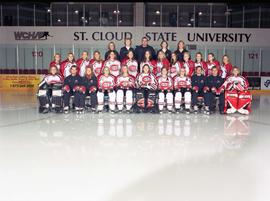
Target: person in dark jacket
[(181, 49), (124, 50), (198, 84), (212, 89), (164, 47), (90, 83), (111, 47), (73, 86), (140, 50)]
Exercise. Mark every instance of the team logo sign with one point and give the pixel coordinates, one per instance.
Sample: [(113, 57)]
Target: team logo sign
[(32, 35)]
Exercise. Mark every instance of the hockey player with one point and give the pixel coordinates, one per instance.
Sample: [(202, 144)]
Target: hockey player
[(66, 65), (212, 89), (90, 84), (131, 63), (113, 64), (106, 85), (73, 86), (198, 84), (48, 93), (175, 65), (57, 61), (237, 96), (97, 63), (164, 48), (182, 89), (162, 61), (188, 64), (82, 63), (165, 89), (125, 85), (180, 50), (212, 62), (226, 67), (149, 61), (111, 48), (146, 85), (124, 50), (200, 62)]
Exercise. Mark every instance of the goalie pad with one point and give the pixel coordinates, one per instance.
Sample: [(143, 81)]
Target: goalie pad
[(151, 100), (140, 99), (231, 101), (244, 102)]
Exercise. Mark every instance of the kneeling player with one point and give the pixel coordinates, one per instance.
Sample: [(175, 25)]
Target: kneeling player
[(198, 83), (182, 88), (50, 91), (146, 85), (212, 90), (125, 84), (106, 84), (165, 87), (73, 86), (237, 96), (90, 83)]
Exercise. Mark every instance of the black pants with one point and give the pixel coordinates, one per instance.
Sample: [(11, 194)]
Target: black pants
[(79, 98), (93, 99), (209, 100)]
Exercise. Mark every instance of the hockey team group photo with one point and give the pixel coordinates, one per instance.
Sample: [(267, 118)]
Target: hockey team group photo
[(138, 78)]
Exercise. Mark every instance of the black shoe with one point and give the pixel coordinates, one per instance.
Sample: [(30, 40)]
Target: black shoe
[(221, 112), (45, 110)]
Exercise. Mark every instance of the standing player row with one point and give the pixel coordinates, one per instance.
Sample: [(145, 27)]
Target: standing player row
[(173, 66)]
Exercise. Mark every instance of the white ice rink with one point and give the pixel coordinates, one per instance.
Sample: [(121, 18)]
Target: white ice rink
[(132, 157)]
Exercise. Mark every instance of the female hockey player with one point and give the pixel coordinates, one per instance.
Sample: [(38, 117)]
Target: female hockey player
[(200, 62), (131, 63), (90, 83), (73, 86), (237, 96), (149, 61), (97, 63), (146, 85), (113, 64), (66, 65), (182, 90), (49, 93), (111, 47), (165, 89), (212, 62), (188, 64), (164, 48), (226, 67), (175, 65), (180, 50), (125, 85), (82, 63), (106, 85), (212, 90), (198, 84), (57, 61), (162, 61)]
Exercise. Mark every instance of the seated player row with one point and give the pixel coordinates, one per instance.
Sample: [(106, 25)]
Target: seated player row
[(134, 67), (146, 92)]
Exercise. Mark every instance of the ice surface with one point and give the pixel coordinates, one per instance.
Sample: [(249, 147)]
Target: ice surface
[(132, 157)]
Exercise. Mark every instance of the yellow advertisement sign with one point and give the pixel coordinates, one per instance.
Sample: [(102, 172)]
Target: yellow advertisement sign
[(19, 82)]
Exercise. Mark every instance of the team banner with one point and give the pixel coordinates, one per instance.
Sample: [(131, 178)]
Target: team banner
[(102, 35), (265, 83), (19, 82)]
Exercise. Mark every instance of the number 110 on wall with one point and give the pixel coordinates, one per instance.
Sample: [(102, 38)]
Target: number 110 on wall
[(253, 56)]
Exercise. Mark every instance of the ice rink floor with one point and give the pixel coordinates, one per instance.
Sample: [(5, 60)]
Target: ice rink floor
[(132, 157)]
